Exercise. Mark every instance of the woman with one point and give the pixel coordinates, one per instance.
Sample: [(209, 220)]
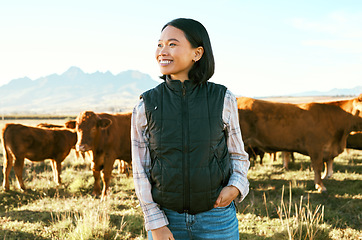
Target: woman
[(188, 156)]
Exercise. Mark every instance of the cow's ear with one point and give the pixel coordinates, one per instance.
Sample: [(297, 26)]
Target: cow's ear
[(70, 124), (104, 123)]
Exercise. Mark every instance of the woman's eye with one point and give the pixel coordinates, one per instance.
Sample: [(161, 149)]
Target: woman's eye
[(172, 44), (159, 45)]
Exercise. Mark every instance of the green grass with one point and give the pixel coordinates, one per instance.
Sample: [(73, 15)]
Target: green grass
[(280, 203)]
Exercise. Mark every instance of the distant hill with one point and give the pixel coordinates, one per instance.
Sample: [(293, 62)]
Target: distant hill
[(334, 92), (74, 91)]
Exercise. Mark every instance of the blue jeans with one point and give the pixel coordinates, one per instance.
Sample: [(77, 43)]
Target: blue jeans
[(217, 224)]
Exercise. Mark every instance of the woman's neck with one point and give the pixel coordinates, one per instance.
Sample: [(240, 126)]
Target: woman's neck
[(182, 79)]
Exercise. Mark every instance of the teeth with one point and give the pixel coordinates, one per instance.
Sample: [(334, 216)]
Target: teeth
[(165, 61)]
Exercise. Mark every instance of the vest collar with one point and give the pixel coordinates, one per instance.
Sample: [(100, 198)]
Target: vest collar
[(176, 85)]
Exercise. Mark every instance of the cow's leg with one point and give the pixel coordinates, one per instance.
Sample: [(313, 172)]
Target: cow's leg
[(97, 184), (106, 179), (292, 156), (83, 154), (97, 166), (328, 169), (261, 155), (8, 164), (286, 159), (107, 174), (271, 156), (52, 162), (88, 155), (122, 167), (317, 163), (59, 171), (18, 169), (127, 168), (97, 177), (80, 155), (57, 168), (274, 156)]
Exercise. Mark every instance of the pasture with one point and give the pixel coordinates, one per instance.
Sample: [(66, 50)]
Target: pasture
[(281, 204)]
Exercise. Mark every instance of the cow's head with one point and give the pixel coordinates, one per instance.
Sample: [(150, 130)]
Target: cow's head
[(357, 106), (71, 124), (89, 126)]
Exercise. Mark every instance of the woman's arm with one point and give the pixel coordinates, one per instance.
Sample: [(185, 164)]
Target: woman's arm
[(141, 164), (239, 158)]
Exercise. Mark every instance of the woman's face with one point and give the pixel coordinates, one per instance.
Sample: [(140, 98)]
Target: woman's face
[(175, 55)]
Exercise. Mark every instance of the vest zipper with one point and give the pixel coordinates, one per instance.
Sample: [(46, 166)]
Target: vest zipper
[(186, 167), (183, 89)]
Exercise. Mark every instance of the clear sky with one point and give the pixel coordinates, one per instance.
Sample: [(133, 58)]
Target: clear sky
[(261, 47)]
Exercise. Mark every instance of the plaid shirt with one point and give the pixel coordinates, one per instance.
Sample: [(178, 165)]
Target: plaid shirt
[(141, 160)]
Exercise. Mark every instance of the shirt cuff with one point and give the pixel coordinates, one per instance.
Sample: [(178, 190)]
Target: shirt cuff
[(155, 220), (242, 186)]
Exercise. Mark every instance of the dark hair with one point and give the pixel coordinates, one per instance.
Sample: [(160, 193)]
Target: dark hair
[(197, 35)]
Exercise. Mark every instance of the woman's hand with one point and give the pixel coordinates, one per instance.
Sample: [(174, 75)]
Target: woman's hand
[(226, 196), (162, 233)]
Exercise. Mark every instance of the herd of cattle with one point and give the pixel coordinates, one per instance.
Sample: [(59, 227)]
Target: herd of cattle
[(319, 130)]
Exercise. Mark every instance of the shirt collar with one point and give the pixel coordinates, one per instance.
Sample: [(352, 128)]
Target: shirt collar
[(176, 85)]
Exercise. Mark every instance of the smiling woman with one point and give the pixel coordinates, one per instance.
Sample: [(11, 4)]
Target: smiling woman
[(175, 54), (187, 129), (187, 50)]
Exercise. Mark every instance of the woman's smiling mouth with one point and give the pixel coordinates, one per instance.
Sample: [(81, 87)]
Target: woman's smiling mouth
[(164, 62)]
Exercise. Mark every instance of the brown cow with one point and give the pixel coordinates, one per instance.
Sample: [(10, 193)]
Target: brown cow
[(352, 106), (122, 165), (317, 130), (36, 144), (69, 124), (108, 136)]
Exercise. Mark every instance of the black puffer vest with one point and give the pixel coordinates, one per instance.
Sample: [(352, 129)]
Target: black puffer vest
[(190, 159)]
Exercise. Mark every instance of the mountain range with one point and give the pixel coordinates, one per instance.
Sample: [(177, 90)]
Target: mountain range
[(333, 92), (75, 91)]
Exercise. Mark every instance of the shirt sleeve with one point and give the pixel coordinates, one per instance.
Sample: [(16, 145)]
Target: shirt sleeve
[(239, 158), (141, 163)]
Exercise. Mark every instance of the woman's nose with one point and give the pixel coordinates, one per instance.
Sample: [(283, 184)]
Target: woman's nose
[(163, 51)]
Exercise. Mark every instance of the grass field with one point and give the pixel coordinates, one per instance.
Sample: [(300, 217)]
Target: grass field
[(281, 204)]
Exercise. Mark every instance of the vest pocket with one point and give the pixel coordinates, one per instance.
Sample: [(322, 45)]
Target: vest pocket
[(217, 175), (222, 156), (155, 172), (223, 171)]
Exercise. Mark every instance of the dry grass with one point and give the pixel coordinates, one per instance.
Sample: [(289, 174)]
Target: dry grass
[(46, 211)]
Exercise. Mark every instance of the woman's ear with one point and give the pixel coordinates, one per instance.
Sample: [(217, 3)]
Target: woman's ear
[(199, 51)]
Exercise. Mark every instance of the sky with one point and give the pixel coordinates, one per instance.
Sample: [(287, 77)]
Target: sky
[(261, 47)]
